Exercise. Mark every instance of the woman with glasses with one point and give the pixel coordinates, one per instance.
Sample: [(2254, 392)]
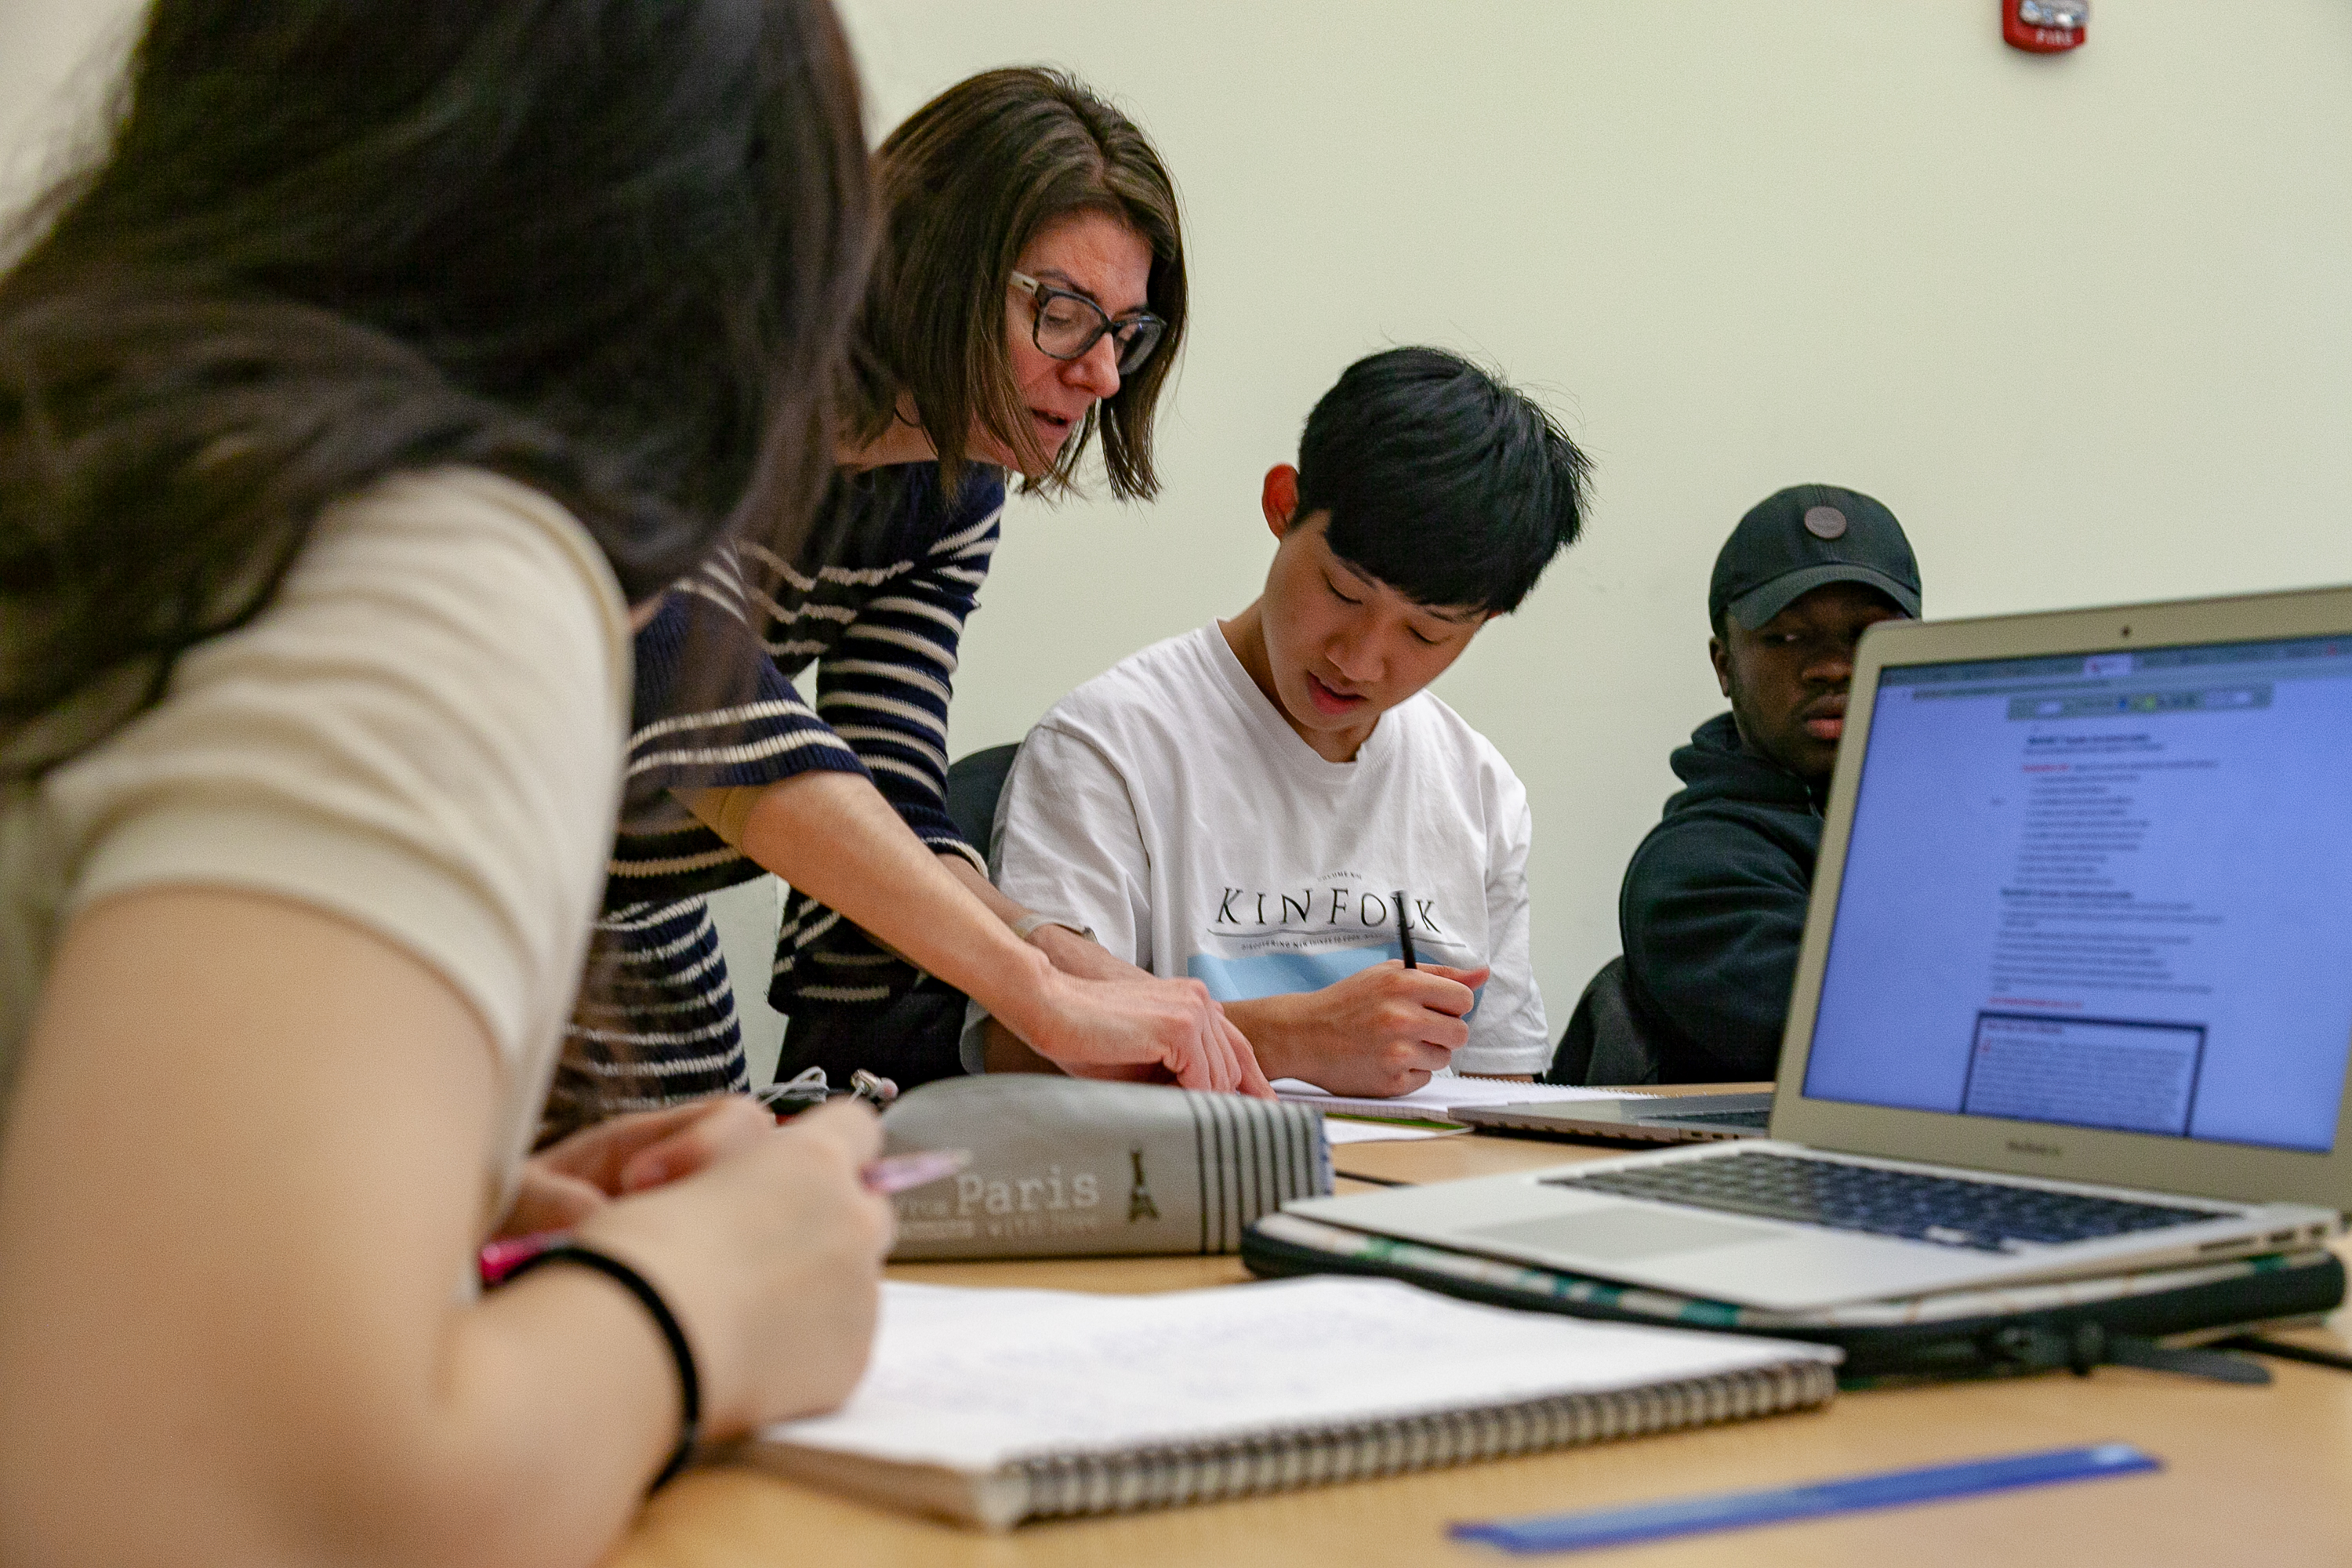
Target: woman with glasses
[(1029, 296)]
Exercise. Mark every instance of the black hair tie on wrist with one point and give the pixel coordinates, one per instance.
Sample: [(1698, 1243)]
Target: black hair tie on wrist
[(689, 1385)]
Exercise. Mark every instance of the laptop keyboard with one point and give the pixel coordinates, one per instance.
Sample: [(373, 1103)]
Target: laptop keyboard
[(1756, 1119), (1950, 1210)]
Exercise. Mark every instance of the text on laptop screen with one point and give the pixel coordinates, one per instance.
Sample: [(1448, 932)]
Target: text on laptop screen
[(2107, 890)]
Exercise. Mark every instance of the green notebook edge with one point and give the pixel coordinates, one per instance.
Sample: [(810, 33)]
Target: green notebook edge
[(2065, 1324)]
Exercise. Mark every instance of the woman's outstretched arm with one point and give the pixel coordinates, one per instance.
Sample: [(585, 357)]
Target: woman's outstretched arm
[(834, 837), (249, 1158)]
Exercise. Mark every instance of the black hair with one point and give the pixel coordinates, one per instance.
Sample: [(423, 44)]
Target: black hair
[(610, 249), (1441, 480)]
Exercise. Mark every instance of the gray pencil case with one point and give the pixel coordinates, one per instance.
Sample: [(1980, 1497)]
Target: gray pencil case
[(1063, 1166)]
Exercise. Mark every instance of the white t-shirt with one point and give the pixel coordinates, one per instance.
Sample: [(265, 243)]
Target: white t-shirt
[(421, 734), (1168, 806)]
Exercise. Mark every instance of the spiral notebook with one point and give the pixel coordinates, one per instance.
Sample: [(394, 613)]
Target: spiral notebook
[(992, 1406)]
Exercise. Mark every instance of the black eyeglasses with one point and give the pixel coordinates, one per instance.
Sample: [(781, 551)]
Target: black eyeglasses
[(1069, 325)]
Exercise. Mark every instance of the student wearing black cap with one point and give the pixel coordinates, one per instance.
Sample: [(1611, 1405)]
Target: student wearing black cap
[(1714, 899)]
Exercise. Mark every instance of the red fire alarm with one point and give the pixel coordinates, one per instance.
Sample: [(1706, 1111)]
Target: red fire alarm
[(2044, 27)]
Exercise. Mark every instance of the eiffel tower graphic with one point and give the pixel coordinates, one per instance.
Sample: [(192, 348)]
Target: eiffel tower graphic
[(1139, 1198)]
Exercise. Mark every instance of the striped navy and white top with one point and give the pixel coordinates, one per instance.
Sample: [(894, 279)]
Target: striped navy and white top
[(878, 603)]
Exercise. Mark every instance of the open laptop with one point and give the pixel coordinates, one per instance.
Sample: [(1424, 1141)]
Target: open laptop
[(1685, 1118), (2075, 995)]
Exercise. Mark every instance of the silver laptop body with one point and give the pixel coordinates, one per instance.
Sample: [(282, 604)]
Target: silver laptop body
[(2075, 995)]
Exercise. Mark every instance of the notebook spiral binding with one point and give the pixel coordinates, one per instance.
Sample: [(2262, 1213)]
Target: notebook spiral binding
[(1069, 1486)]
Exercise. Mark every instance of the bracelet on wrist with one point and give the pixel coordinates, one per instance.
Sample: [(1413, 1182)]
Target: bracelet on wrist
[(690, 1383)]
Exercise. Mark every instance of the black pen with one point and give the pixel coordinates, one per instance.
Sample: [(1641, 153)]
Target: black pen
[(1404, 935)]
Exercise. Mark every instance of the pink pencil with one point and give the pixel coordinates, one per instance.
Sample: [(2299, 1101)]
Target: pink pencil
[(898, 1173), (894, 1174)]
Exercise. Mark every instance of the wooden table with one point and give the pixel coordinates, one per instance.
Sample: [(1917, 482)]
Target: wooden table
[(2251, 1475)]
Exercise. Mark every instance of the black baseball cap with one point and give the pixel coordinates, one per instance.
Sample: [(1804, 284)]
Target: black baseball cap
[(1796, 540)]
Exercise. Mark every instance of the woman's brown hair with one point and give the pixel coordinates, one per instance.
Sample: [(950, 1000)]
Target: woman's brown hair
[(965, 183), (610, 249)]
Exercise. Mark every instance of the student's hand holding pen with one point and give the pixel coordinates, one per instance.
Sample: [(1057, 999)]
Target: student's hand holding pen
[(771, 1257), (572, 1179), (1380, 1031)]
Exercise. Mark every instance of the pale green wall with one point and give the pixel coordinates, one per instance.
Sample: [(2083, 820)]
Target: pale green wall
[(2084, 322)]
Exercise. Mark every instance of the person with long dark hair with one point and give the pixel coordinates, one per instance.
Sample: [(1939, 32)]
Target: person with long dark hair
[(387, 356), (1030, 294)]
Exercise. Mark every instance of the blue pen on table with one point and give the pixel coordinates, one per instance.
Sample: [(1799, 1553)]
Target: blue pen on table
[(1404, 933), (1775, 1505)]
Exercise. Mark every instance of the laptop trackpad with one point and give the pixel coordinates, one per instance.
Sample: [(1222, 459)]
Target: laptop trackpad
[(1624, 1232)]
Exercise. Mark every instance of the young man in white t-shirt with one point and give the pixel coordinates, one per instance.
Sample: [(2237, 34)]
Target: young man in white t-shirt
[(1247, 804)]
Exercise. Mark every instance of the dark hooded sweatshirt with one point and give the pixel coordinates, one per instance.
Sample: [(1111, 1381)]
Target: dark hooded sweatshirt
[(1712, 907)]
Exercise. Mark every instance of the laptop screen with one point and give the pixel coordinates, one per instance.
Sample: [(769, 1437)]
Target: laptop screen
[(2111, 891)]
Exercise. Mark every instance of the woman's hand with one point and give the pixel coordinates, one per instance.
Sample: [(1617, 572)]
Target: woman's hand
[(565, 1183), (1098, 1015), (1141, 1027), (774, 1253)]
